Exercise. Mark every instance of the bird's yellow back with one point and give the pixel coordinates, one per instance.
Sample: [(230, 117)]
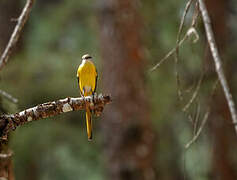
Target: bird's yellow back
[(87, 77)]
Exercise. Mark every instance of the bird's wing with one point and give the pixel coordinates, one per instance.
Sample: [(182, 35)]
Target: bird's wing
[(78, 81), (96, 78)]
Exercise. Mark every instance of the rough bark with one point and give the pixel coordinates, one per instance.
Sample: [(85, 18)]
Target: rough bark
[(49, 109), (129, 139)]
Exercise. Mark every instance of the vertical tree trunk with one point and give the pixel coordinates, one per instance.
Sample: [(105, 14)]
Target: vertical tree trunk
[(6, 165), (221, 128), (129, 139)]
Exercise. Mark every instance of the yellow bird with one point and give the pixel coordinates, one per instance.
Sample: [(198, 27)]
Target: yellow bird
[(87, 79)]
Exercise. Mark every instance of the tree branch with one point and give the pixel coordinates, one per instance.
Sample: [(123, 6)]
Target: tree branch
[(49, 109), (8, 96), (218, 61), (16, 33)]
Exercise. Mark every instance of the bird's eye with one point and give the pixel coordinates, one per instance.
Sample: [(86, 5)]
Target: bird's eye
[(86, 56)]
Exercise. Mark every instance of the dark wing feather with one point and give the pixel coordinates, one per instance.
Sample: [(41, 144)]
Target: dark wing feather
[(96, 78)]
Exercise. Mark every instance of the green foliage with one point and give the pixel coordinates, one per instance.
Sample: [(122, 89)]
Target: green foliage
[(58, 33)]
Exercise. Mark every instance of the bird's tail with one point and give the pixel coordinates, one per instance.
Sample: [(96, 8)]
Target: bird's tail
[(89, 124)]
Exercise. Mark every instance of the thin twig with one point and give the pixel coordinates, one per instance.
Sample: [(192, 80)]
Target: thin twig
[(218, 62), (176, 55), (199, 130), (195, 124), (195, 93), (49, 109), (8, 96), (187, 7), (191, 31), (16, 33), (195, 137), (195, 15), (171, 52)]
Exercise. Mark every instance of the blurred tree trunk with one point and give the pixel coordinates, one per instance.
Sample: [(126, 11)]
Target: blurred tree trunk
[(129, 138), (221, 128), (6, 165)]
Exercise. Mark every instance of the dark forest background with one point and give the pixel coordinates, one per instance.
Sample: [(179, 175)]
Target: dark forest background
[(142, 134)]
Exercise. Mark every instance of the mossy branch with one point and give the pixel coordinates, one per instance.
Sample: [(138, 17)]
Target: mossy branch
[(10, 122)]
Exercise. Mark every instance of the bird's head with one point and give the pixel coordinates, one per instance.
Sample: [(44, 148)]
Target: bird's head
[(86, 57)]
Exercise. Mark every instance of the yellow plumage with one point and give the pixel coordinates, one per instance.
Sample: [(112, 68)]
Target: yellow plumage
[(87, 79)]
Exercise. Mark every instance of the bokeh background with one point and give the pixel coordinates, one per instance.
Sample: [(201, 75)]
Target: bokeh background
[(126, 39)]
